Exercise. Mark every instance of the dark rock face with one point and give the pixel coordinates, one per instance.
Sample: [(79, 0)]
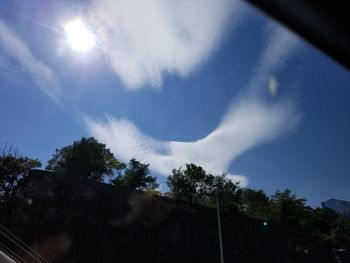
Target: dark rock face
[(90, 222)]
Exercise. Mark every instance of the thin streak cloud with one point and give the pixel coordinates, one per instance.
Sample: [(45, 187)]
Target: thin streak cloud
[(42, 75)]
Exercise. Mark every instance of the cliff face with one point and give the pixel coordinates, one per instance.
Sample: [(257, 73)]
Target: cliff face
[(89, 222)]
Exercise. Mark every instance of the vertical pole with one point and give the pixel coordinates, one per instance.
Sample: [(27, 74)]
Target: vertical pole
[(219, 228)]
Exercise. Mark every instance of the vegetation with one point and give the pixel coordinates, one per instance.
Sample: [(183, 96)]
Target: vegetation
[(136, 177), (89, 160), (255, 203), (13, 167), (193, 184), (86, 159)]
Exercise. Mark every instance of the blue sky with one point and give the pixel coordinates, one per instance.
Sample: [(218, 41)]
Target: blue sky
[(214, 82)]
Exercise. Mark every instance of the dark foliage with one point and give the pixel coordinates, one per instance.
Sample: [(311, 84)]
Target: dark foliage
[(136, 177), (72, 209), (86, 159), (112, 225), (194, 184), (13, 167)]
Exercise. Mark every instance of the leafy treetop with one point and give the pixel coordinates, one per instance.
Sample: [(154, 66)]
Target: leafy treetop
[(196, 185), (13, 167), (136, 177), (86, 159)]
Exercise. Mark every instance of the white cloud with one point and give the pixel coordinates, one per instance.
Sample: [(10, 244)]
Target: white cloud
[(281, 44), (248, 122), (41, 73), (145, 39)]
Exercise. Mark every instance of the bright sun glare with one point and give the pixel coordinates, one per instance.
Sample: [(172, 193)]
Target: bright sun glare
[(78, 36)]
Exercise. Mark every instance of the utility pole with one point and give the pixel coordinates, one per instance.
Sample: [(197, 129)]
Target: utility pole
[(219, 229)]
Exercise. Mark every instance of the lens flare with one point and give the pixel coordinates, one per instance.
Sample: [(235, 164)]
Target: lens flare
[(273, 86)]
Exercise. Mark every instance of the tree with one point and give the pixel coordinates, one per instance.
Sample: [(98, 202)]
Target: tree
[(321, 222), (286, 208), (255, 203), (195, 185), (13, 167), (189, 184), (327, 224), (86, 159), (228, 192), (136, 177), (340, 233), (179, 187)]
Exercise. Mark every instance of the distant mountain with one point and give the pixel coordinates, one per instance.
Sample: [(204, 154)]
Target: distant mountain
[(340, 206)]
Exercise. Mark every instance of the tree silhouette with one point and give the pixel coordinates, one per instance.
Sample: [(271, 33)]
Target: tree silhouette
[(194, 184), (255, 203), (86, 159), (13, 167), (136, 177)]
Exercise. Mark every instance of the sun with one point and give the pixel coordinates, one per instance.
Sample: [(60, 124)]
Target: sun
[(79, 37)]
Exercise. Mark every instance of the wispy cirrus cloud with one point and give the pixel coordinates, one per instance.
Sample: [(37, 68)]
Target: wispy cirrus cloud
[(281, 45), (143, 40), (248, 122), (15, 47)]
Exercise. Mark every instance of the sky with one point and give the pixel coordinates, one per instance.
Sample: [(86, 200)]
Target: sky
[(211, 82)]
